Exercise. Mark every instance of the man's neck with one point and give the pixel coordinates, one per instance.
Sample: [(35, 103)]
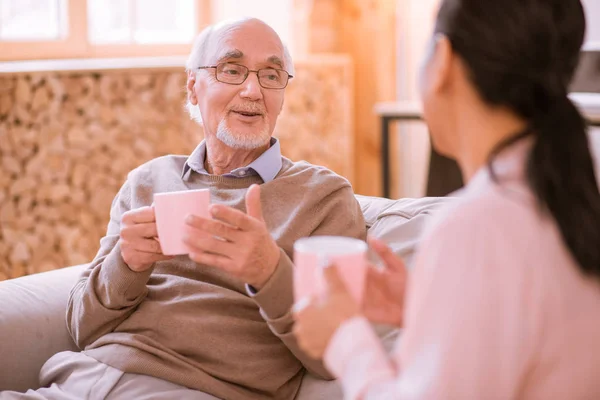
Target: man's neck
[(222, 159)]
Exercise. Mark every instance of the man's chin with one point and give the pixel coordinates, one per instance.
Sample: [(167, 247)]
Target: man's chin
[(244, 140)]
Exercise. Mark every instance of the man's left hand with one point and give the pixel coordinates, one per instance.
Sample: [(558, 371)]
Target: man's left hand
[(237, 243)]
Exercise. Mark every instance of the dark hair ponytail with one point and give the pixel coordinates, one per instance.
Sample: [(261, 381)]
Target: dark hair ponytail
[(522, 54), (560, 172)]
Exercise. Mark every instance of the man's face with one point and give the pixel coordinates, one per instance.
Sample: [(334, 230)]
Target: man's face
[(242, 116)]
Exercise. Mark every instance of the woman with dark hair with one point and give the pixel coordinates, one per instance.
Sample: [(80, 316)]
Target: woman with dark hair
[(504, 301)]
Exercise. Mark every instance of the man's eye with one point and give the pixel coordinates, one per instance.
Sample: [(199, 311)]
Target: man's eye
[(231, 71), (270, 75)]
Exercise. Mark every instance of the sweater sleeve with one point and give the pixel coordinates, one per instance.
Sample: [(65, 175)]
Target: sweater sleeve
[(471, 327), (343, 217), (108, 291)]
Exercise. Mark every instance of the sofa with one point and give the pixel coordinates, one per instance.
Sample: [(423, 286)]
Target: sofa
[(32, 308)]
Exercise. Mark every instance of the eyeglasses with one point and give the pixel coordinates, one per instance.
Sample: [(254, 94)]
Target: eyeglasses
[(236, 74)]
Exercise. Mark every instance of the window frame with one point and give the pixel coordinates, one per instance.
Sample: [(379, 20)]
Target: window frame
[(77, 45)]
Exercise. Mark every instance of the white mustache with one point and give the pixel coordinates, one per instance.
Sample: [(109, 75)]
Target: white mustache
[(249, 108)]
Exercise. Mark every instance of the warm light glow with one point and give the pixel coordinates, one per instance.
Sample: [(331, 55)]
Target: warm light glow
[(22, 20), (141, 21), (277, 13)]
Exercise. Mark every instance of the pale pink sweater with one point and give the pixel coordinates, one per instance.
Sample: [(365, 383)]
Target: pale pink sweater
[(496, 308)]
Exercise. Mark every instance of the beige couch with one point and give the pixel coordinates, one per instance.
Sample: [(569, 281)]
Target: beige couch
[(32, 308)]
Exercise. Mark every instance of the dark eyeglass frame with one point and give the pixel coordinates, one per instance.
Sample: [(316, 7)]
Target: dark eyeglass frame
[(248, 70)]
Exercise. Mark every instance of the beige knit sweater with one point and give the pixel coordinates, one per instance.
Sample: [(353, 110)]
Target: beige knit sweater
[(193, 324)]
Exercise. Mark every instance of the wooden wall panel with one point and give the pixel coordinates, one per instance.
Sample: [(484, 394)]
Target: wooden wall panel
[(68, 140), (366, 31), (369, 35)]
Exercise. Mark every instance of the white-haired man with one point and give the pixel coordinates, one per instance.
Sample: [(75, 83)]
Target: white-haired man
[(215, 323)]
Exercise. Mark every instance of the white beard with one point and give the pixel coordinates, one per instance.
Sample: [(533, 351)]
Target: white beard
[(239, 141)]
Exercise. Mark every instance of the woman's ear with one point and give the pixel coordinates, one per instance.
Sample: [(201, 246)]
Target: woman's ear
[(441, 65), (191, 82)]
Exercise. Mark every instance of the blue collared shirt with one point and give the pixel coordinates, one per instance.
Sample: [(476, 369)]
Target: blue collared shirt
[(267, 166)]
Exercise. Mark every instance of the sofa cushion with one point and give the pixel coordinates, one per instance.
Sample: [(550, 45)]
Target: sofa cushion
[(32, 311), (399, 223), (32, 325), (313, 388)]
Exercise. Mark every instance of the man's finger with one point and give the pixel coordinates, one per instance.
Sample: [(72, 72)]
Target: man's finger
[(391, 261), (143, 230), (253, 206), (231, 216), (213, 260), (139, 215), (210, 244), (149, 246), (212, 227)]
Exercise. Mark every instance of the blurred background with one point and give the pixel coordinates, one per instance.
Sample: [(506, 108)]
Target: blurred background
[(89, 89)]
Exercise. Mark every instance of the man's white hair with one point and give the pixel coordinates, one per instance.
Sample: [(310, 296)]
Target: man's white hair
[(199, 55)]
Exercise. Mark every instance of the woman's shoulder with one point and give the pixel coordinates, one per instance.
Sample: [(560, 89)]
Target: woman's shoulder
[(493, 219)]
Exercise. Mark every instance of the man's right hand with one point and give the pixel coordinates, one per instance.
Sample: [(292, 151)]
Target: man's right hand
[(140, 248)]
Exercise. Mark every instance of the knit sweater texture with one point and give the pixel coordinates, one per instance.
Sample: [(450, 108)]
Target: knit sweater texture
[(193, 324)]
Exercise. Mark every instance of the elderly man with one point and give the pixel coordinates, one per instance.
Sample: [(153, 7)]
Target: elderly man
[(215, 323)]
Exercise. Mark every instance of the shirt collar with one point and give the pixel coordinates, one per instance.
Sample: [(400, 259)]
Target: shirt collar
[(267, 166)]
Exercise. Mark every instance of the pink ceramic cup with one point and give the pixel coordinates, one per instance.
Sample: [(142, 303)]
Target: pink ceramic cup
[(171, 209), (314, 253)]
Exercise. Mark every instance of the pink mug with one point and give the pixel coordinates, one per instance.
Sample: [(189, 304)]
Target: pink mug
[(314, 253), (171, 209)]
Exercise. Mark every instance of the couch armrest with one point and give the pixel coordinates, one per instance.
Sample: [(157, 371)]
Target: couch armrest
[(400, 223), (33, 324)]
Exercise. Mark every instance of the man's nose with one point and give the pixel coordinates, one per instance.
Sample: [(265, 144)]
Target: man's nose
[(251, 89)]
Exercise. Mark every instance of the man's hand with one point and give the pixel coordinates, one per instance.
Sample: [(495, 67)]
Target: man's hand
[(140, 248), (237, 243)]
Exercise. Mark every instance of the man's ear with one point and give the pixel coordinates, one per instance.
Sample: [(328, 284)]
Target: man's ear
[(191, 82)]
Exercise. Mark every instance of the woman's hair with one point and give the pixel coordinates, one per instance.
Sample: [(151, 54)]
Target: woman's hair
[(522, 55)]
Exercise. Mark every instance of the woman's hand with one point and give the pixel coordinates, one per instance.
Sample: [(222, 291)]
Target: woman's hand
[(385, 288), (318, 317)]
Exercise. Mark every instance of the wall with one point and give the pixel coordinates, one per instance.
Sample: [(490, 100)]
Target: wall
[(366, 32), (278, 14), (415, 24), (363, 30), (68, 139), (592, 10)]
